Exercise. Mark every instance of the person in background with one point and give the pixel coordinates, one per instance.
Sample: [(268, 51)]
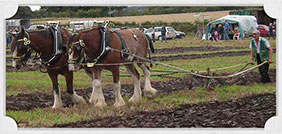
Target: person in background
[(220, 32), (226, 30), (141, 28), (270, 32), (236, 34), (8, 39), (213, 29), (216, 35), (261, 51), (163, 32), (153, 35)]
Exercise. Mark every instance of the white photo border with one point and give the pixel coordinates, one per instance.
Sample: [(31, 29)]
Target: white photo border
[(8, 8)]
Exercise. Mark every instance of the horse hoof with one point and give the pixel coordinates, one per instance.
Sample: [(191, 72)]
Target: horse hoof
[(56, 106), (100, 104), (119, 104), (151, 93), (93, 101), (134, 100)]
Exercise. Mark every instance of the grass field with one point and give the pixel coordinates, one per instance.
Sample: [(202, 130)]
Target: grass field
[(28, 82)]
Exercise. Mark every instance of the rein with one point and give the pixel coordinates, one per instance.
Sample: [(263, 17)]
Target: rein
[(192, 72)]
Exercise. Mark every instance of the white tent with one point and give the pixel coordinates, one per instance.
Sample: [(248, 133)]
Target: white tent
[(246, 23)]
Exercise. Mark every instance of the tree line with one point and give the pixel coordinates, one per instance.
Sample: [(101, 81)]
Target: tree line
[(91, 12)]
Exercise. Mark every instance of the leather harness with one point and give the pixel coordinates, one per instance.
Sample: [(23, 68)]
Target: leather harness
[(105, 43)]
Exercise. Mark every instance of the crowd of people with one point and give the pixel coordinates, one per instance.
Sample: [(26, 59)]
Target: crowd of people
[(272, 30), (224, 32)]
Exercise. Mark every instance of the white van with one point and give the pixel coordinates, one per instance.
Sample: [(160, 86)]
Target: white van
[(170, 33)]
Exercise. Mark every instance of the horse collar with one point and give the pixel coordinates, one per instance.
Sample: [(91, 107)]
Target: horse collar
[(57, 48), (105, 42)]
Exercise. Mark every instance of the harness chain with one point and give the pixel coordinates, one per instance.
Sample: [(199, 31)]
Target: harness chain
[(174, 67), (192, 73)]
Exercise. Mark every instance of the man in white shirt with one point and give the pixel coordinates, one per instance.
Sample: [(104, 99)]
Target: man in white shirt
[(261, 51)]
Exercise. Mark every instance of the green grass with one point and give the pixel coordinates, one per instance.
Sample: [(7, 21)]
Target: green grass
[(28, 82), (44, 117)]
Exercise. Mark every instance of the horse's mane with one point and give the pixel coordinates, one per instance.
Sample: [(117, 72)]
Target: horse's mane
[(36, 30), (90, 29)]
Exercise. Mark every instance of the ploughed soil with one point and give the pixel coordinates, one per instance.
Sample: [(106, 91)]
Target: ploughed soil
[(40, 100), (198, 56), (248, 112), (188, 49)]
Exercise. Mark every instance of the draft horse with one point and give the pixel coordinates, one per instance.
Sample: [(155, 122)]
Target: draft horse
[(91, 41), (42, 42)]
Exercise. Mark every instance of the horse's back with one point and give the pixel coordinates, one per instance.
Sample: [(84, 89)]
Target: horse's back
[(135, 41)]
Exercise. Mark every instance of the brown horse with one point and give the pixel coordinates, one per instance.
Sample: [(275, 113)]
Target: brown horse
[(41, 41), (136, 42)]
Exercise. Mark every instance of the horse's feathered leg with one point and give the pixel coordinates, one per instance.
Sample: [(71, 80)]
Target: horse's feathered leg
[(57, 93), (118, 98), (137, 95), (148, 90), (97, 97), (69, 81)]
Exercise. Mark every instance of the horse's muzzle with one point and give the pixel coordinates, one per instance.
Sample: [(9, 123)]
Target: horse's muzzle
[(71, 67)]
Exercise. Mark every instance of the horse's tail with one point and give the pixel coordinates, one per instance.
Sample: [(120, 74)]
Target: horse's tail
[(151, 48), (150, 44)]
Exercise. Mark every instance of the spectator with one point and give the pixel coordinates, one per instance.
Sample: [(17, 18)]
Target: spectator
[(270, 33), (141, 28), (220, 32), (216, 35), (213, 29), (153, 35), (8, 39), (274, 29), (236, 34), (231, 33), (163, 32), (226, 30)]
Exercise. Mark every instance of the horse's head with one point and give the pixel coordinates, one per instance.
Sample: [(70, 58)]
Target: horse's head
[(77, 46), (20, 48), (75, 51)]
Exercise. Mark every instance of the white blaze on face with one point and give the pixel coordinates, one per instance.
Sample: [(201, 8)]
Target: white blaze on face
[(71, 65), (14, 63)]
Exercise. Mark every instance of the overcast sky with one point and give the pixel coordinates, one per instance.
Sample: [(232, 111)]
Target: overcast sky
[(33, 8)]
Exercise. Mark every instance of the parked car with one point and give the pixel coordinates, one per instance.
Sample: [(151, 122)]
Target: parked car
[(180, 34), (170, 33), (263, 29)]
